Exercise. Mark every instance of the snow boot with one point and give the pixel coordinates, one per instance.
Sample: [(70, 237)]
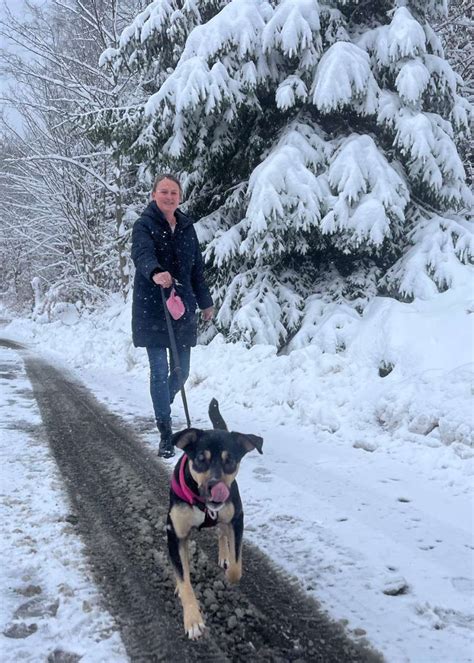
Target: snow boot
[(166, 448)]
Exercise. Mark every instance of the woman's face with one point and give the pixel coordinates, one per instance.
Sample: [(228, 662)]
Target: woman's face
[(166, 196)]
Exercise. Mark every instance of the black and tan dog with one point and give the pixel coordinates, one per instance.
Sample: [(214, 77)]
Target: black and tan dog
[(203, 493)]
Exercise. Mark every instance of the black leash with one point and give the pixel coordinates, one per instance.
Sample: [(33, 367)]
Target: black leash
[(174, 352)]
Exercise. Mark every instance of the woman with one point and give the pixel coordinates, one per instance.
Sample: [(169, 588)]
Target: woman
[(165, 251)]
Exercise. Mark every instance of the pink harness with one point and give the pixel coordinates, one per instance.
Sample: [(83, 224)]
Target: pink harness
[(180, 488), (184, 492)]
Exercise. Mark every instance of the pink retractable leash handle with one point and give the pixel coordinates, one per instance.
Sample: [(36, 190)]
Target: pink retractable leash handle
[(174, 351)]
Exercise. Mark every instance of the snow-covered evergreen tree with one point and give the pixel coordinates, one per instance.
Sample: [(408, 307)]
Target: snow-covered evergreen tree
[(317, 141), (457, 34)]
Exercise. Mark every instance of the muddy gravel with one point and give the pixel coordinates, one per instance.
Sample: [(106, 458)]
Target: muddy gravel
[(119, 497)]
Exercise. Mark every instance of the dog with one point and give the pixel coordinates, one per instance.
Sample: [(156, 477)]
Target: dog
[(204, 493)]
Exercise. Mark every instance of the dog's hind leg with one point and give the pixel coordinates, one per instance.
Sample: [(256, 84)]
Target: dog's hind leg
[(194, 625)]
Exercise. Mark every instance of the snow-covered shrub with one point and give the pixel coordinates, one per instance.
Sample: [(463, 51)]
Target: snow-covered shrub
[(435, 406)]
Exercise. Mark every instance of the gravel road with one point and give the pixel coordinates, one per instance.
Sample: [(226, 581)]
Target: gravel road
[(119, 496)]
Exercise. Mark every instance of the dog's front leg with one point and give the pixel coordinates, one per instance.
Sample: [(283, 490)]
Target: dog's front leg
[(223, 542), (235, 531), (194, 624), (178, 533)]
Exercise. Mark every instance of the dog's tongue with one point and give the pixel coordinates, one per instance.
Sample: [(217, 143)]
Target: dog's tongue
[(219, 492)]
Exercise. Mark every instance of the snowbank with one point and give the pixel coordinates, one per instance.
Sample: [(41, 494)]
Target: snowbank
[(405, 374)]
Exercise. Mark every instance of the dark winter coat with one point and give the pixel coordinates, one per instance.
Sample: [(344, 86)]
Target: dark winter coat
[(156, 248)]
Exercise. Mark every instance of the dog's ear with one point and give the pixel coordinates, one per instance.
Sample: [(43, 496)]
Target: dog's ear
[(249, 442), (186, 439)]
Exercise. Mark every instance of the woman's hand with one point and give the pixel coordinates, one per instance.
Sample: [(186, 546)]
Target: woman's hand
[(163, 278), (207, 313)]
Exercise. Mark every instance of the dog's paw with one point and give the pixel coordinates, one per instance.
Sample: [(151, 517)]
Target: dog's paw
[(233, 573), (224, 563), (196, 631), (194, 624)]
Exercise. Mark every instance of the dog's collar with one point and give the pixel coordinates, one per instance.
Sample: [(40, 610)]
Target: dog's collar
[(181, 488)]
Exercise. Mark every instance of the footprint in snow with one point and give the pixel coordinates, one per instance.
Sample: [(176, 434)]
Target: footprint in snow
[(440, 618), (464, 585), (144, 424), (263, 474), (19, 630), (284, 518), (61, 656), (455, 618), (37, 607)]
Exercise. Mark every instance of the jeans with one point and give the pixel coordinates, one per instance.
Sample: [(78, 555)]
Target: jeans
[(164, 380)]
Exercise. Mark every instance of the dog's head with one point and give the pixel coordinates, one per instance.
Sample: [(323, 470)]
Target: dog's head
[(214, 458)]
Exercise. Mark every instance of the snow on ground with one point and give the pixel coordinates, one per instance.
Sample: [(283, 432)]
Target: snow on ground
[(45, 586), (364, 491)]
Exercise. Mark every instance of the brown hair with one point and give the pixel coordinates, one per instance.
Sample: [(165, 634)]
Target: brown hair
[(167, 176)]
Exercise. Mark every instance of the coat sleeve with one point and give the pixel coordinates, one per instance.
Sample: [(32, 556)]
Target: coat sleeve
[(199, 285), (143, 251)]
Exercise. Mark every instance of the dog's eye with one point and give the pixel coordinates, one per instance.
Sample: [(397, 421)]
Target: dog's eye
[(201, 462), (229, 464)]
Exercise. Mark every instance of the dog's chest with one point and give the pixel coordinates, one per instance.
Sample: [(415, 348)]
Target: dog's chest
[(206, 518), (198, 517)]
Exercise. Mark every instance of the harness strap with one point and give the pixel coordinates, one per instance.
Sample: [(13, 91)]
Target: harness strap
[(180, 488)]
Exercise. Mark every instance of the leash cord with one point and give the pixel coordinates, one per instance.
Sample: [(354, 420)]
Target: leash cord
[(174, 352)]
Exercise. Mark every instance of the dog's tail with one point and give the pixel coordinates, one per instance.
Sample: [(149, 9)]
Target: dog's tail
[(215, 416)]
